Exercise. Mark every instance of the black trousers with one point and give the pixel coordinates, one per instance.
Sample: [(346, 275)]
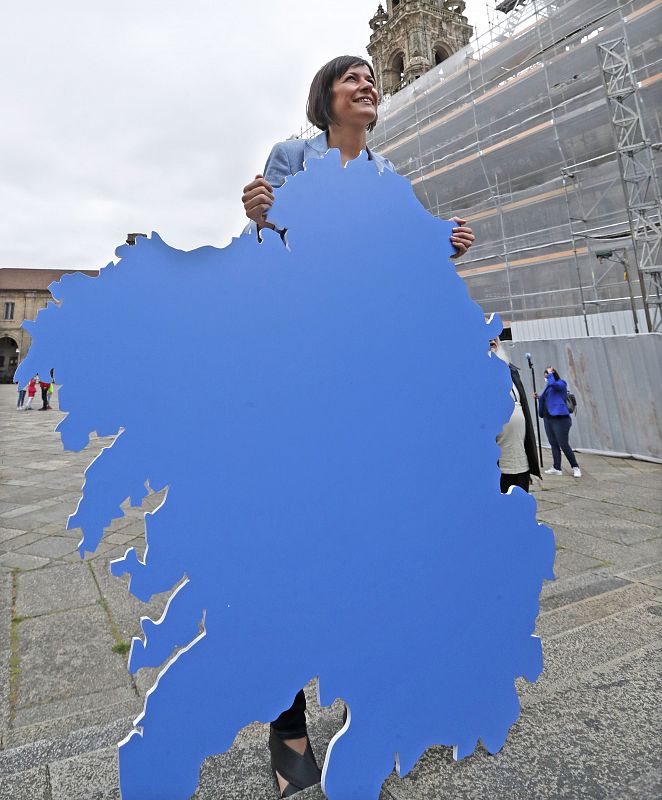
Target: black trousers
[(291, 724), (558, 432), (521, 479), (44, 398)]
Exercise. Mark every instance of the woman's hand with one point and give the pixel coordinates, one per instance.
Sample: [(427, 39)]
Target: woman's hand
[(462, 237), (258, 197), (535, 395)]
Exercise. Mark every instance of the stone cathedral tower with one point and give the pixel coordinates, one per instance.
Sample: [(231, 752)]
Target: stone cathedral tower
[(411, 36)]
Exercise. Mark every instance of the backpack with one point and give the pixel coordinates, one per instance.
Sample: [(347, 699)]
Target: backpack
[(571, 402)]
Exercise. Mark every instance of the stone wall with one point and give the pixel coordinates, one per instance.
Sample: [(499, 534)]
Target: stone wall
[(12, 336)]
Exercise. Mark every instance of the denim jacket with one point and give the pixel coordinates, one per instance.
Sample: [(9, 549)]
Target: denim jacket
[(288, 158)]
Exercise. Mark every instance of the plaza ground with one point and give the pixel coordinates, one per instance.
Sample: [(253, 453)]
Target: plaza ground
[(589, 728)]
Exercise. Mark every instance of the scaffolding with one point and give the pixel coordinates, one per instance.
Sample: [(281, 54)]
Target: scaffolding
[(637, 171), (515, 133)]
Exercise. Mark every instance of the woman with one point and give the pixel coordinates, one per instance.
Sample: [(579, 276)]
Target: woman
[(342, 103), (553, 408)]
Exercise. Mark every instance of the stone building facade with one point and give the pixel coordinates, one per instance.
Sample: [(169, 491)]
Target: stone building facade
[(411, 36), (22, 293)]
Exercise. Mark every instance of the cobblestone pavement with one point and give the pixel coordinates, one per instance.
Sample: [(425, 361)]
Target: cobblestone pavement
[(589, 727)]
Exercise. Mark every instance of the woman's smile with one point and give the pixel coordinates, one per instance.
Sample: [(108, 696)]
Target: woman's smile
[(356, 87)]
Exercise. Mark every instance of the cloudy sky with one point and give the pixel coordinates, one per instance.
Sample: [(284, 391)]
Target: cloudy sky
[(140, 115)]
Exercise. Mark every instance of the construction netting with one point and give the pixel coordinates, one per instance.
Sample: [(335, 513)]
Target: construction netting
[(514, 133)]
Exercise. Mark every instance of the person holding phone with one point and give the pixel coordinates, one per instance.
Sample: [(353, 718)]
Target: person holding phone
[(553, 408)]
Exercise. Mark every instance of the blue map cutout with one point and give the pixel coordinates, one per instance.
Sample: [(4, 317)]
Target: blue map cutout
[(323, 416)]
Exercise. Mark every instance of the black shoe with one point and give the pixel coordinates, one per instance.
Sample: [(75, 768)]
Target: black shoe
[(300, 771)]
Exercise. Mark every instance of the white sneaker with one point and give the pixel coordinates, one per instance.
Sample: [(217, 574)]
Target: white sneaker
[(577, 473), (553, 471)]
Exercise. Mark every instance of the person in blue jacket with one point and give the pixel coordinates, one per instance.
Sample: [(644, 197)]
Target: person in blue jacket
[(342, 104), (553, 408)]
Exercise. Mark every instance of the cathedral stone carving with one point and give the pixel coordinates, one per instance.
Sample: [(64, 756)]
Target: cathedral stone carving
[(412, 36)]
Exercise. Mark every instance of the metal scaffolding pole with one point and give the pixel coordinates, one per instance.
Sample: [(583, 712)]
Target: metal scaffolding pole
[(569, 176), (637, 170)]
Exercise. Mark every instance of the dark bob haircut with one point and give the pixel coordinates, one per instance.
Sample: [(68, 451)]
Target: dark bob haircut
[(318, 109)]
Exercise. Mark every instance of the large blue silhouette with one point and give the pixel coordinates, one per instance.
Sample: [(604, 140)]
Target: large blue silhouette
[(323, 416)]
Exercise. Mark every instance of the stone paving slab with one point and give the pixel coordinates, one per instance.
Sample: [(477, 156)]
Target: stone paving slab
[(574, 588), (34, 518), (650, 574), (76, 705), (78, 777), (14, 481), (618, 493), (61, 724), (26, 494), (55, 588), (569, 562), (65, 654), (16, 543), (22, 561), (18, 511), (6, 534), (580, 507), (597, 642), (593, 609), (50, 547), (609, 528), (609, 553), (16, 760), (32, 784)]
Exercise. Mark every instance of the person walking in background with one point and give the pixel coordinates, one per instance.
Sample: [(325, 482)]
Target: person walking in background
[(21, 398), (32, 391), (519, 458), (553, 408)]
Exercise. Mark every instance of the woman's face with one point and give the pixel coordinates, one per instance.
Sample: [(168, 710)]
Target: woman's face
[(354, 98)]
